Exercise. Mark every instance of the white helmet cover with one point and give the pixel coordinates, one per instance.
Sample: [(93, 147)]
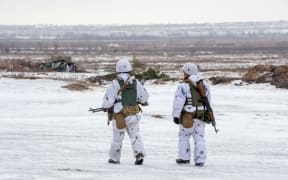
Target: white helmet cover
[(190, 69), (123, 65)]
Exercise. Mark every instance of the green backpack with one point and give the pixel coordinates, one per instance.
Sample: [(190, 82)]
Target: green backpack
[(129, 93)]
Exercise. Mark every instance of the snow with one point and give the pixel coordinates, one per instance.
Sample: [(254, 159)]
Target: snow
[(46, 132), (69, 76)]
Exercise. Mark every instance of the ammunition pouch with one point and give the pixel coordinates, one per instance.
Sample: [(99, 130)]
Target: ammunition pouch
[(186, 119), (126, 111), (120, 120), (130, 110), (202, 115)]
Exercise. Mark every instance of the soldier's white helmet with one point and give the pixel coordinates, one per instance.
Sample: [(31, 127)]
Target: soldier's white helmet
[(123, 65), (190, 69)]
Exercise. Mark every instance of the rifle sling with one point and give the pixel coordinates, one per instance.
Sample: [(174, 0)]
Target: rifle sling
[(124, 85)]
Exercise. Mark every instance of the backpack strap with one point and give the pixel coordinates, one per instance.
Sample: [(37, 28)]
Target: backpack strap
[(191, 83), (124, 85)]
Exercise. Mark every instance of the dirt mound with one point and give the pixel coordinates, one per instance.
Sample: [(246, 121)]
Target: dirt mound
[(100, 79), (158, 116), (22, 76), (165, 80), (222, 80), (275, 75), (18, 66), (76, 87), (57, 63), (146, 75)]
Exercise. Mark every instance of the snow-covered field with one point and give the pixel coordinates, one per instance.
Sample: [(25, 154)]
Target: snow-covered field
[(47, 133)]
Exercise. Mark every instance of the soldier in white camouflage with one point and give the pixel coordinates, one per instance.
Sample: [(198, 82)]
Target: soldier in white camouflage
[(188, 113), (124, 94)]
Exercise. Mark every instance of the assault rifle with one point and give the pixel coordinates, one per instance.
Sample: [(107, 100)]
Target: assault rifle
[(97, 109), (108, 110), (206, 103)]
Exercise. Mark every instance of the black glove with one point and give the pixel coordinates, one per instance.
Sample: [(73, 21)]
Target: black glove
[(176, 120)]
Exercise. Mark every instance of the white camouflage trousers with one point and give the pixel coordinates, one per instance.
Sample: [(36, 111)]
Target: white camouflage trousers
[(197, 131), (132, 130)]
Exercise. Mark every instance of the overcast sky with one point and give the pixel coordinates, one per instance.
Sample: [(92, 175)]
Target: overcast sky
[(140, 11)]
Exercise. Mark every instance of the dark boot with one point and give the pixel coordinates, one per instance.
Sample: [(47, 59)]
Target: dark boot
[(113, 162), (181, 161), (139, 159), (199, 164)]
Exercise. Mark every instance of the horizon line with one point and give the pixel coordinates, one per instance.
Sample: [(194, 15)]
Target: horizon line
[(147, 24)]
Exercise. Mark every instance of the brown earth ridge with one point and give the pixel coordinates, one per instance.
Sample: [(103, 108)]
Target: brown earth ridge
[(275, 75)]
